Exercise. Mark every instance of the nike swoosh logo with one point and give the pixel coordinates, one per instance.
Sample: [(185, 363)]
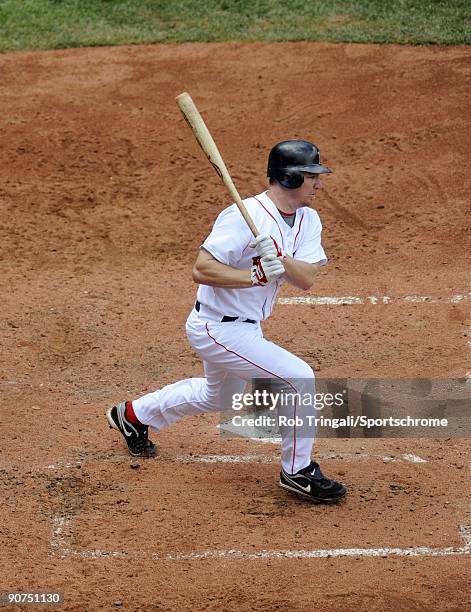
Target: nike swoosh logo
[(307, 489), (123, 424)]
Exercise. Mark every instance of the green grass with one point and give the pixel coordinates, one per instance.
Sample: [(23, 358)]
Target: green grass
[(55, 24)]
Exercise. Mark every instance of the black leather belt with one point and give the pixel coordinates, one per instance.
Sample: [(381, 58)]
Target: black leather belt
[(226, 319)]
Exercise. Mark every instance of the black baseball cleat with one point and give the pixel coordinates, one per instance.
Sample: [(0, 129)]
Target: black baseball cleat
[(310, 482), (136, 436)]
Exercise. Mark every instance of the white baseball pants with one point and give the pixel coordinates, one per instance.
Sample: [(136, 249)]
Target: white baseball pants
[(233, 353)]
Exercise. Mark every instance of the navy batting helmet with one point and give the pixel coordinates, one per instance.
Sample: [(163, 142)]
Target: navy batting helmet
[(289, 159)]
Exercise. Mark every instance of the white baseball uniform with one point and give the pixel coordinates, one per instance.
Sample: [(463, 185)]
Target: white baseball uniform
[(236, 352)]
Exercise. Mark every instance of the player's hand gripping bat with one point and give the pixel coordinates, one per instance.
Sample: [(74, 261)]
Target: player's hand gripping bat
[(206, 142)]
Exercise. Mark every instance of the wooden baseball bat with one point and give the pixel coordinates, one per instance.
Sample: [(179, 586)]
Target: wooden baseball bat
[(206, 142)]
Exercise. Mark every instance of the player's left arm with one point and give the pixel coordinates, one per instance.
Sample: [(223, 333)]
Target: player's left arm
[(301, 274)]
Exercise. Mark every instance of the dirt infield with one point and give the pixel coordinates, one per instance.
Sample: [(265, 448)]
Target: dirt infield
[(105, 198)]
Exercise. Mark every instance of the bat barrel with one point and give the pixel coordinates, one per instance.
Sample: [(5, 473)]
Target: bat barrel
[(206, 142)]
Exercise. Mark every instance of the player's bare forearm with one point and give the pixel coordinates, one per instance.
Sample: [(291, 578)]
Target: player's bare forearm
[(210, 271), (299, 273)]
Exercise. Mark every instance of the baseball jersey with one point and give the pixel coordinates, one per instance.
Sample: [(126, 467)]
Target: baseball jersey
[(229, 243)]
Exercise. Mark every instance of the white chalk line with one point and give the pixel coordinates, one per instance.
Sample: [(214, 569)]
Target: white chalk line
[(408, 457), (321, 456), (60, 548), (58, 540), (320, 300)]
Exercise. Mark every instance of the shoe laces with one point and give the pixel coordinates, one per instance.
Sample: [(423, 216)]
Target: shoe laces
[(143, 432), (313, 469)]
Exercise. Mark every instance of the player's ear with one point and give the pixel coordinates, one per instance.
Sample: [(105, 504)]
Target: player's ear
[(292, 179)]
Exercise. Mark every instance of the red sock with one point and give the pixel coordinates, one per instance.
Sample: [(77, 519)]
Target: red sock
[(130, 415)]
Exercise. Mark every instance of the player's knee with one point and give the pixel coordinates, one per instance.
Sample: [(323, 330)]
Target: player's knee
[(300, 370), (306, 371)]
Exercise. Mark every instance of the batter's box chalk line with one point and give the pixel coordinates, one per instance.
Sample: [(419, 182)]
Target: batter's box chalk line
[(321, 456), (60, 547), (358, 456), (319, 300)]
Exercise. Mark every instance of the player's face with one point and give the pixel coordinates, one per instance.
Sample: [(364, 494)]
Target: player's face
[(312, 182)]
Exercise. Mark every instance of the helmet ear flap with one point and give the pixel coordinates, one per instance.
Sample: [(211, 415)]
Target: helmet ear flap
[(291, 179)]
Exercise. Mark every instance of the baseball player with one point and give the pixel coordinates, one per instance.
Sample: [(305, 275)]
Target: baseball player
[(239, 278)]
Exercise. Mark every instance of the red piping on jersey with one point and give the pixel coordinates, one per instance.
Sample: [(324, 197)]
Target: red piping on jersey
[(282, 212), (274, 295), (297, 233), (279, 228), (272, 374), (263, 307)]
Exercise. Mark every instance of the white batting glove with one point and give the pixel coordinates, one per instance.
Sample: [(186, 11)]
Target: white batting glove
[(266, 269), (265, 246)]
